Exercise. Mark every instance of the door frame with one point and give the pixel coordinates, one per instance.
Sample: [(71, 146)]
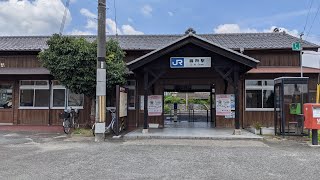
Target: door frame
[(8, 111)]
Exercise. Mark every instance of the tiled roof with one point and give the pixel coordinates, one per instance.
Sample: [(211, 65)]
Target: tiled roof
[(280, 70), (152, 42)]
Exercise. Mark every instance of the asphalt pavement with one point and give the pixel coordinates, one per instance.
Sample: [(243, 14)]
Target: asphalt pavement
[(56, 156)]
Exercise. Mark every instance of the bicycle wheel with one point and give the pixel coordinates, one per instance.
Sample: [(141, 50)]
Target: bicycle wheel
[(76, 125), (114, 127), (66, 126), (93, 130)]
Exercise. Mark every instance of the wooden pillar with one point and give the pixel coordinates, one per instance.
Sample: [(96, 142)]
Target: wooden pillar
[(236, 96), (146, 89), (49, 106)]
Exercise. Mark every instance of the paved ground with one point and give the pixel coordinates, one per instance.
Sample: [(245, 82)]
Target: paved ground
[(55, 156)]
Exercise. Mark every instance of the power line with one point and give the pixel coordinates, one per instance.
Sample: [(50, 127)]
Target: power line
[(305, 25), (313, 20), (64, 17), (115, 17)]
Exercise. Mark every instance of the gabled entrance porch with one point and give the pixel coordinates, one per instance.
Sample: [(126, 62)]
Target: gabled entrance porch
[(210, 64)]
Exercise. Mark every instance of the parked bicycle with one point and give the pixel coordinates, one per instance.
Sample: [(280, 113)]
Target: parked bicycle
[(111, 128), (70, 119)]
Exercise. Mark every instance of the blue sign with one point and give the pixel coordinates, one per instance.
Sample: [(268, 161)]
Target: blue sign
[(190, 62), (177, 62)]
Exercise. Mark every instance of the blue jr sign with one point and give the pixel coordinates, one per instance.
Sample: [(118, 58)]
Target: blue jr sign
[(177, 62), (190, 62)]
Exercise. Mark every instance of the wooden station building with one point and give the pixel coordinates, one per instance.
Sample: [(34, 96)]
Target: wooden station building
[(243, 64)]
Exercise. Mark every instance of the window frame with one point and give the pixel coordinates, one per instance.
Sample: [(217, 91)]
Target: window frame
[(33, 87), (262, 88), (67, 91)]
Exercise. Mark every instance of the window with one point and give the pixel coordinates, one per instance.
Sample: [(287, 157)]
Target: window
[(34, 94), (5, 96), (131, 85), (59, 94), (259, 95)]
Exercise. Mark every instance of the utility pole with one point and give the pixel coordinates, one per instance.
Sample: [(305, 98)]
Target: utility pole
[(301, 52), (101, 74)]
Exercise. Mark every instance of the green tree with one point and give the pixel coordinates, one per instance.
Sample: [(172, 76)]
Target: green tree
[(73, 61)]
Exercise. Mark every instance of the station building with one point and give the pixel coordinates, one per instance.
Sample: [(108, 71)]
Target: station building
[(242, 64)]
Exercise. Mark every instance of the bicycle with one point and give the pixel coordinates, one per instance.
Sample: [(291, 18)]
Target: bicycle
[(70, 119), (111, 126)]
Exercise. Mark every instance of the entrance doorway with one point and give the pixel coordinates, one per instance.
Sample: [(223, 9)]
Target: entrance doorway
[(189, 106), (6, 103)]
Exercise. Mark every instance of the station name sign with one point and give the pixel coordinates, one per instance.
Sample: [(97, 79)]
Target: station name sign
[(190, 62)]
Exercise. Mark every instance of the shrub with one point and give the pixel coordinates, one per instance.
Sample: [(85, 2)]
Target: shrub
[(173, 99)]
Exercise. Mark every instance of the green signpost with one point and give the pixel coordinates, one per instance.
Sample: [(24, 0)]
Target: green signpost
[(296, 46)]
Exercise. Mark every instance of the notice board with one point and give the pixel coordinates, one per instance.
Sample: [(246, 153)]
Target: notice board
[(225, 104)]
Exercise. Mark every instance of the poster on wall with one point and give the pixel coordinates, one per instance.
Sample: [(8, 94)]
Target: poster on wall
[(225, 103), (232, 115), (123, 105), (155, 105)]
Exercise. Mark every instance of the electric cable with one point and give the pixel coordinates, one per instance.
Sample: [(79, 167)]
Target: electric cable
[(64, 16), (115, 17), (313, 21), (305, 25)]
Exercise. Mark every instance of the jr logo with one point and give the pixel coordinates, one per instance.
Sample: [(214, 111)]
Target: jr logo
[(176, 62)]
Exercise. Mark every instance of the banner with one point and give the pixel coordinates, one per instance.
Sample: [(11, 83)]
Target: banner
[(225, 103), (155, 105), (123, 106)]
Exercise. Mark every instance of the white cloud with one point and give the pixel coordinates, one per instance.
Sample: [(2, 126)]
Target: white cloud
[(38, 17), (170, 13), (88, 14), (127, 29), (146, 10), (92, 24), (111, 27), (232, 28), (235, 28)]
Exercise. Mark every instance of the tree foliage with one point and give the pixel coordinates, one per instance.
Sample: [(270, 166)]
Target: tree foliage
[(173, 99), (73, 62)]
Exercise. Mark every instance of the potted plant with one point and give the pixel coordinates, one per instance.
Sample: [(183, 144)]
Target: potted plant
[(257, 127)]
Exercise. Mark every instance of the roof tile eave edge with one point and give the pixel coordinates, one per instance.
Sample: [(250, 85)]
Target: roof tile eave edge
[(156, 50)]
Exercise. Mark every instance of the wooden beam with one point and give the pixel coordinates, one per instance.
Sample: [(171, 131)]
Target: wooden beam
[(227, 73), (155, 79), (223, 75), (146, 90), (236, 96)]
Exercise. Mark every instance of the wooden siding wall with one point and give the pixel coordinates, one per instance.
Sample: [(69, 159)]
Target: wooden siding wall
[(20, 61), (132, 55), (266, 118), (275, 58), (38, 116), (6, 115)]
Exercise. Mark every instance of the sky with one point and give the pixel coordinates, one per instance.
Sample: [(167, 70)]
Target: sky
[(43, 17)]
